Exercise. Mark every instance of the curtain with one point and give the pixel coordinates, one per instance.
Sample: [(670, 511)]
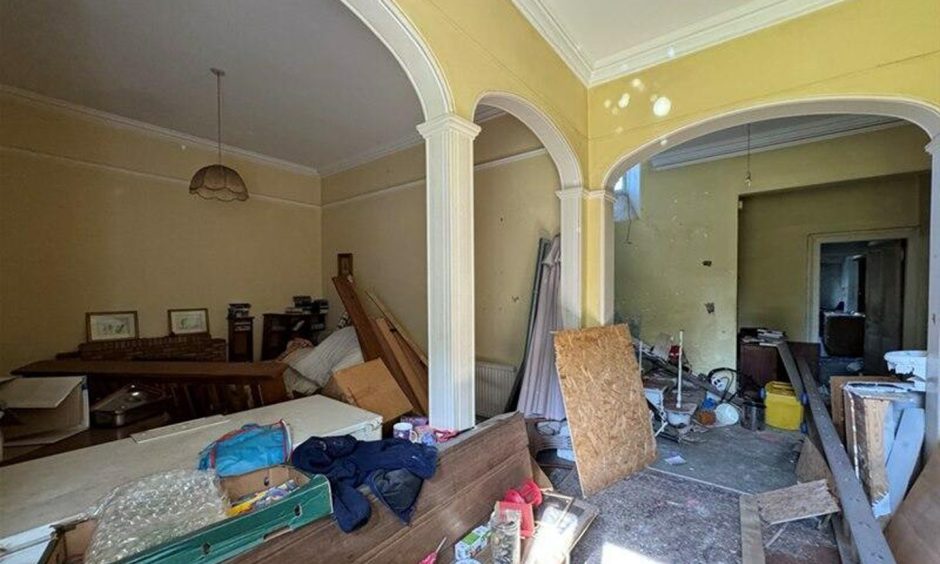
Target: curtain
[(540, 394)]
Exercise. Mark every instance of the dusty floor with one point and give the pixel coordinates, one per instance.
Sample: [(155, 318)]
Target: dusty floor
[(653, 516)]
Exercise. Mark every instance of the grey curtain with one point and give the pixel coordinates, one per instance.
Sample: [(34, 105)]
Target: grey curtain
[(540, 395)]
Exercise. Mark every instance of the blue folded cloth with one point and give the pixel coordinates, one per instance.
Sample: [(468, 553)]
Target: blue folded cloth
[(394, 470), (247, 449)]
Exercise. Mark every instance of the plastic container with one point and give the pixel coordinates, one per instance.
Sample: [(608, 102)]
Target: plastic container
[(783, 409)]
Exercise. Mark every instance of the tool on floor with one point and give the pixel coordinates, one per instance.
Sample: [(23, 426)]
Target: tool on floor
[(432, 558)]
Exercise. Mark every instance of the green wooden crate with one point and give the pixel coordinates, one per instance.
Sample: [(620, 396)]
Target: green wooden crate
[(225, 539)]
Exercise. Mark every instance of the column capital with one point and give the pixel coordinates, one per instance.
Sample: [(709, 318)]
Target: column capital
[(934, 147), (606, 195), (571, 193), (448, 122)]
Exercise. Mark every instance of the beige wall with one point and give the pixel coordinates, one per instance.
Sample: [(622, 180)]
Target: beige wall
[(377, 212), (689, 216), (774, 255), (96, 216)]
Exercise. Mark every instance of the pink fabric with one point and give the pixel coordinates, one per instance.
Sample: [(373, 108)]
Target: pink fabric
[(540, 394)]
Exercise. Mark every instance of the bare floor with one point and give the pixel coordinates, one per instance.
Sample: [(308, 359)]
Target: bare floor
[(690, 512)]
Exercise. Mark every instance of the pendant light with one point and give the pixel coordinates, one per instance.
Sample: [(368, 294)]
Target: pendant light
[(218, 182), (747, 177)]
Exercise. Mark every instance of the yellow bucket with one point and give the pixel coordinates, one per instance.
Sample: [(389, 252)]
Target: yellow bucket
[(784, 410)]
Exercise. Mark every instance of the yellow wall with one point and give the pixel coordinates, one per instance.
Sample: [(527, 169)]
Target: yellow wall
[(96, 216), (689, 215), (775, 229), (384, 226), (855, 48)]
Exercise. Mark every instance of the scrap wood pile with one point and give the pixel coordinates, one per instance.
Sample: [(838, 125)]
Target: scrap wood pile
[(857, 466), (373, 364)]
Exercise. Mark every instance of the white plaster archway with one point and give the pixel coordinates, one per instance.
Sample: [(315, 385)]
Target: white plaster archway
[(924, 115), (570, 195)]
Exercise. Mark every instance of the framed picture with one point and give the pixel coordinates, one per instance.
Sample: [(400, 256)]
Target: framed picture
[(188, 321), (344, 265), (110, 325)]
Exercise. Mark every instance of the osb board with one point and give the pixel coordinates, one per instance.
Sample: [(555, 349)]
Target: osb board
[(752, 545), (836, 384), (797, 502), (604, 401), (912, 532)]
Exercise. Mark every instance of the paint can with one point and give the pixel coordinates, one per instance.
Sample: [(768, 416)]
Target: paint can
[(753, 419)]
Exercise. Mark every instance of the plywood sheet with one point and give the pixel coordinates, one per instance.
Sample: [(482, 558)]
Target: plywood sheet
[(752, 545), (836, 384), (912, 532), (797, 502), (604, 401)]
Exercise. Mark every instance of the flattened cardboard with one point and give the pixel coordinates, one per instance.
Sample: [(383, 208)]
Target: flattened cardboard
[(912, 532), (43, 410), (370, 386), (605, 404)]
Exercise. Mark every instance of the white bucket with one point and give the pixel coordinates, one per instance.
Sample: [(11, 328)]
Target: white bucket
[(726, 414), (909, 363)]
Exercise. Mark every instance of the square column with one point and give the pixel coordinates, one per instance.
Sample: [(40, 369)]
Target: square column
[(932, 399), (449, 153), (570, 291), (603, 203)]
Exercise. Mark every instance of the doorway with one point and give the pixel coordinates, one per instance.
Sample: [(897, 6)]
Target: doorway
[(861, 302)]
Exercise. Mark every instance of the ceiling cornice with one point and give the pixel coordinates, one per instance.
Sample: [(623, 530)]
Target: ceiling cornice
[(751, 17), (483, 114), (821, 129), (156, 131), (553, 32)]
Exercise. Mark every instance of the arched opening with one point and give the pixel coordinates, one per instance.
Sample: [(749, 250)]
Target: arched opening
[(750, 215)]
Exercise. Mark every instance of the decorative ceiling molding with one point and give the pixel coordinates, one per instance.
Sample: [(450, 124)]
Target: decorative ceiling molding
[(155, 130), (483, 114), (784, 135), (727, 25)]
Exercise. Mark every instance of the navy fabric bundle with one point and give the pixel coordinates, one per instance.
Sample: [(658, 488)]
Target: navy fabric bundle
[(394, 470)]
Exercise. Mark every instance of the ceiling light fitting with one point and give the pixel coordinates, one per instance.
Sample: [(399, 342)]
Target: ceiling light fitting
[(218, 182)]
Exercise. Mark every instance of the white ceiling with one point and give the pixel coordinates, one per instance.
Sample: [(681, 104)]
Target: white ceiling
[(306, 81), (603, 39)]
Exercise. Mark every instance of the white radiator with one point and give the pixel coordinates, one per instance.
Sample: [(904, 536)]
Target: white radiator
[(493, 386)]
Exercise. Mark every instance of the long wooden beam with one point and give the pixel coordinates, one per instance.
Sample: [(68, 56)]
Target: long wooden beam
[(870, 542)]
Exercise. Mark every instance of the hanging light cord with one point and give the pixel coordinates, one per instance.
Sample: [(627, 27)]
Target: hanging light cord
[(218, 108)]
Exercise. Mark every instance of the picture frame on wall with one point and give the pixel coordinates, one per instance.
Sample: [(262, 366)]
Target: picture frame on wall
[(188, 321), (110, 326)]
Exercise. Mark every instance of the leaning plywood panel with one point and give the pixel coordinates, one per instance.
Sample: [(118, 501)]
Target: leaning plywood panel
[(912, 532), (604, 401)]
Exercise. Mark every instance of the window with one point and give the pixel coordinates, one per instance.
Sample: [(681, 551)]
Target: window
[(627, 196)]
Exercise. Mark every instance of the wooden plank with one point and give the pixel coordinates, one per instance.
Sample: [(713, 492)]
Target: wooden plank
[(913, 531), (752, 545), (605, 404), (217, 372), (365, 331), (392, 360), (416, 378), (793, 373), (473, 471), (809, 499), (399, 328), (870, 543), (836, 385)]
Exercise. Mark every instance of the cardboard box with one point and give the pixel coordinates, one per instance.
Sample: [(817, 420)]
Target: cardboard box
[(39, 411), (370, 386), (224, 539)]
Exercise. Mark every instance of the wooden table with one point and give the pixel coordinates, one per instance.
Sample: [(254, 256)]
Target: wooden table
[(264, 378)]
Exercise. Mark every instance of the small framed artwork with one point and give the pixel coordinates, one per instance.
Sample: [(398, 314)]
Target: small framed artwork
[(110, 325), (188, 321), (344, 265)]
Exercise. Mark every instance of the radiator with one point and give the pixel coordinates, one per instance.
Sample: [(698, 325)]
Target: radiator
[(493, 386)]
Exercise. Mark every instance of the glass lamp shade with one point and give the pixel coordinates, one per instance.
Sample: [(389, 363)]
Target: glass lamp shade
[(218, 182)]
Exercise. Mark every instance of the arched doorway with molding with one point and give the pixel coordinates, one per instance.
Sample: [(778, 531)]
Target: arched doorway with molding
[(923, 115)]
